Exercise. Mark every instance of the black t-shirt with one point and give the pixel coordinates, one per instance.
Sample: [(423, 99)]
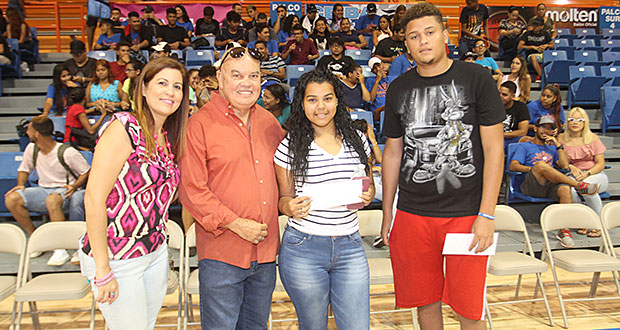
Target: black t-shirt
[(172, 34), (354, 36), (225, 34), (319, 41), (473, 20), (203, 27), (532, 39), (333, 65), (389, 47), (87, 70), (144, 34), (439, 119), (516, 114), (352, 96)]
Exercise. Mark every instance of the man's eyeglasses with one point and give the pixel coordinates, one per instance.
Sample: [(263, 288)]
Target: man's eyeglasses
[(578, 120), (238, 52), (129, 69)]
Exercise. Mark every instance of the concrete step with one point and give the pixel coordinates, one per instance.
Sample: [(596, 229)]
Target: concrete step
[(47, 67), (25, 83), (24, 112), (9, 147), (8, 124), (22, 101), (613, 173), (38, 74), (42, 90), (54, 57), (614, 189)]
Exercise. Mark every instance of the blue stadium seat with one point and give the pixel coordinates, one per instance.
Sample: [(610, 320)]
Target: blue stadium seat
[(291, 93), (610, 43), (366, 115), (555, 67), (88, 155), (569, 37), (324, 52), (514, 194), (584, 87), (581, 56), (612, 73), (360, 56), (560, 42), (610, 106), (108, 55), (211, 41), (178, 52), (9, 162), (608, 33), (582, 43), (293, 72), (367, 71), (454, 54), (570, 51), (611, 56), (563, 31), (199, 57), (583, 32)]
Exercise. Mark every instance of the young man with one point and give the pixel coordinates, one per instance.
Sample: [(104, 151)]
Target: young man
[(308, 20), (108, 38), (148, 14), (300, 49), (474, 25), (122, 58), (534, 42), (480, 48), (377, 86), (262, 34), (237, 8), (272, 67), (59, 182), (517, 114), (388, 49), (253, 15), (369, 22), (282, 12), (262, 19), (353, 87), (207, 26), (337, 61), (232, 33), (537, 159), (115, 17), (175, 36), (81, 66), (138, 36), (444, 121)]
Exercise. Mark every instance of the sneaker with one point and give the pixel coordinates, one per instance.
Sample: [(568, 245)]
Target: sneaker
[(24, 66), (566, 239), (35, 254), (59, 258), (585, 188), (75, 259), (537, 79), (378, 243)]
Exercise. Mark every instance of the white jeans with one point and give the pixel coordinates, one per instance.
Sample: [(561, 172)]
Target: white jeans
[(593, 201), (142, 284)]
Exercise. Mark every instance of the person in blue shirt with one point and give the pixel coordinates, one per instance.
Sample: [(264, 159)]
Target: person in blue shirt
[(378, 85), (262, 34), (369, 22), (480, 48), (285, 34), (550, 103), (107, 39), (536, 159), (401, 64), (183, 20)]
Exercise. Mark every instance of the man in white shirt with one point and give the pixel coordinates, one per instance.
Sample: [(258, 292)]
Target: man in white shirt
[(61, 169)]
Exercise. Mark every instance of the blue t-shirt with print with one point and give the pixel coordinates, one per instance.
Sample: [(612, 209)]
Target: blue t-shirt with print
[(381, 91), (109, 42), (364, 21), (400, 65), (529, 153), (537, 110)]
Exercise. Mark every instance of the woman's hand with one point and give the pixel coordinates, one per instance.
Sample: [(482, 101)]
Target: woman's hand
[(577, 173), (125, 105), (298, 207), (368, 195), (108, 292)]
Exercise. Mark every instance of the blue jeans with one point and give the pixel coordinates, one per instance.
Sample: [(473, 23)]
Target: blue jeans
[(34, 201), (320, 270), (466, 45), (233, 297)]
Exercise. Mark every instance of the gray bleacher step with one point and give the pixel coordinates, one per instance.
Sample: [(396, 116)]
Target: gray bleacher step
[(24, 90), (38, 74), (535, 95), (613, 173), (54, 57), (25, 83), (47, 67), (24, 112), (614, 188), (8, 124), (608, 141), (9, 136), (22, 101), (9, 147)]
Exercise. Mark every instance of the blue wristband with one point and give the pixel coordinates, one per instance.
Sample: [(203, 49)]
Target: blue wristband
[(488, 216)]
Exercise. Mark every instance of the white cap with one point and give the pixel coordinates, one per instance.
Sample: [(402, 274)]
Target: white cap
[(372, 61), (160, 46)]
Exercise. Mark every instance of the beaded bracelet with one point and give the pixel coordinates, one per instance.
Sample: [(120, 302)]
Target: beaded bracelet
[(105, 280), (488, 216)]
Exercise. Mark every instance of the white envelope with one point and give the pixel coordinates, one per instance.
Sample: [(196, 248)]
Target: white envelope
[(458, 244), (333, 194)]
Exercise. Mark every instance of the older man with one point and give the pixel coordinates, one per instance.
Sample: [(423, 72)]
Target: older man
[(229, 186)]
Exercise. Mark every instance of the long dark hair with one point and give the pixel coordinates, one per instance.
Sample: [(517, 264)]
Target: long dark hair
[(58, 88), (334, 11), (16, 20), (137, 65), (301, 134), (556, 106), (324, 20), (287, 25), (185, 16), (176, 123), (279, 93)]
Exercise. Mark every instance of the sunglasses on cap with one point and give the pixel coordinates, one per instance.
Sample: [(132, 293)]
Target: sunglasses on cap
[(238, 52)]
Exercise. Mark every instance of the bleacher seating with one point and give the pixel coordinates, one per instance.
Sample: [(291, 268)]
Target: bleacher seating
[(367, 71), (210, 39), (360, 56), (560, 43), (178, 52), (611, 73), (609, 33), (555, 67), (8, 175), (610, 57), (610, 43), (563, 32), (584, 87), (324, 52), (293, 72), (610, 106), (584, 56), (569, 37), (513, 193), (582, 43), (200, 57), (108, 55), (585, 32), (366, 115)]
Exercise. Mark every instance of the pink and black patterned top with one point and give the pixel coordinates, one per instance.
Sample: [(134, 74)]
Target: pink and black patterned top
[(138, 204)]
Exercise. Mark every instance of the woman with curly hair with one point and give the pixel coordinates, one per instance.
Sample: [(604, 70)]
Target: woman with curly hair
[(322, 260)]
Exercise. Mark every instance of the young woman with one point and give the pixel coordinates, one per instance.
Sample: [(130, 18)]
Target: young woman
[(586, 157), (286, 33), (550, 103), (384, 30), (19, 29), (520, 76), (320, 35), (56, 91), (76, 118), (133, 70), (398, 15), (274, 99), (322, 260), (352, 38), (183, 20), (337, 16), (104, 91), (124, 253)]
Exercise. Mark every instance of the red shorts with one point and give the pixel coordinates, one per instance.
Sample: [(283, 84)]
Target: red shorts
[(416, 245)]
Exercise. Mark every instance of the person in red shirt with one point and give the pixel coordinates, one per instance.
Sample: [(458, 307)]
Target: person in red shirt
[(122, 58), (300, 49), (76, 114)]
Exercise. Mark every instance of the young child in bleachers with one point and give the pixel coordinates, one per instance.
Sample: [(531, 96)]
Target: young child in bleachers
[(76, 118), (107, 39)]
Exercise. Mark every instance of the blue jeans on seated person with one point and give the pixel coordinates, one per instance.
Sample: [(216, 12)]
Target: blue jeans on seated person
[(320, 270), (34, 201), (235, 298)]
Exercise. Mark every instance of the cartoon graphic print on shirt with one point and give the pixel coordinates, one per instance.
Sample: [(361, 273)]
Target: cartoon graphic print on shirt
[(507, 123), (437, 142)]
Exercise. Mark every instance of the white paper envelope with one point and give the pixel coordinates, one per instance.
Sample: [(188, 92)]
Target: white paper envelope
[(333, 194), (458, 244)]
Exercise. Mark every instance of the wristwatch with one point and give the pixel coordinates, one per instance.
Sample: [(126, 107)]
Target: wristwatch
[(561, 147)]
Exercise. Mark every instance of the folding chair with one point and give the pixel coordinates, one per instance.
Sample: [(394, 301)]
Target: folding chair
[(108, 55), (190, 279), (175, 279), (558, 216), (14, 242), (611, 220), (516, 263), (54, 286)]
